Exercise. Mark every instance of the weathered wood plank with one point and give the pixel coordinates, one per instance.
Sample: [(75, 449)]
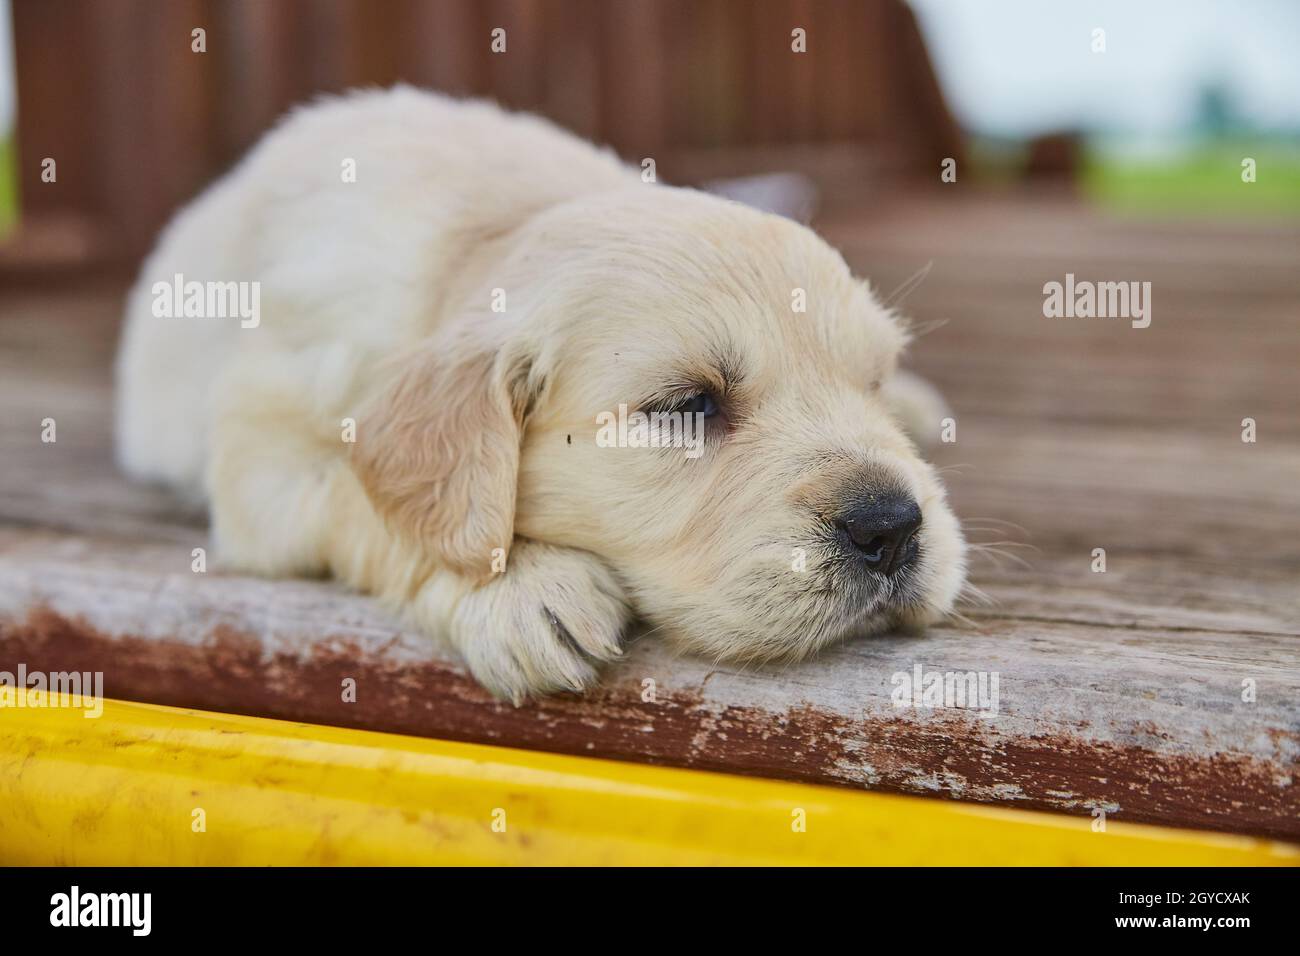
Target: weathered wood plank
[(1121, 691), (1145, 723)]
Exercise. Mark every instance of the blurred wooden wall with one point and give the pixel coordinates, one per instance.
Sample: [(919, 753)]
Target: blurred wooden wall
[(138, 122)]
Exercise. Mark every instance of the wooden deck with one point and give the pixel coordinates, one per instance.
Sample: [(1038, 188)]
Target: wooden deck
[(1120, 691)]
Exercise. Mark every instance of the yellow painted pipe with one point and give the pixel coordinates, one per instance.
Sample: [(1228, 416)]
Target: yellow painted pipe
[(144, 784)]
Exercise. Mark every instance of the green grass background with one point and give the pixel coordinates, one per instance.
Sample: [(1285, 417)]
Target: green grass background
[(8, 184), (1204, 181)]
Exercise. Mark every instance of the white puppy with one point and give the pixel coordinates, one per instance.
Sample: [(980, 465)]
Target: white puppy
[(462, 319)]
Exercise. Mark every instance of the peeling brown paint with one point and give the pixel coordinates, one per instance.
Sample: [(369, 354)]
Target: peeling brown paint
[(952, 754)]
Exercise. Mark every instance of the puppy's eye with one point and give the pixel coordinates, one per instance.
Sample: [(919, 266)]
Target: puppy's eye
[(702, 404)]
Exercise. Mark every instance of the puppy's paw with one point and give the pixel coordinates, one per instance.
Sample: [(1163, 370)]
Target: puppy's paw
[(918, 406), (543, 625)]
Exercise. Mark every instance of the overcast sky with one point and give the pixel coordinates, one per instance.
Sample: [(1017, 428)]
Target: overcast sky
[(1021, 67), (6, 71)]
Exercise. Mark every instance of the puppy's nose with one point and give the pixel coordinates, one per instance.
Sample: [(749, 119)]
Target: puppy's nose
[(884, 530)]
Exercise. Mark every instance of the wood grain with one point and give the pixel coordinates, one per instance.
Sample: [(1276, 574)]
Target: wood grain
[(142, 122), (1122, 691)]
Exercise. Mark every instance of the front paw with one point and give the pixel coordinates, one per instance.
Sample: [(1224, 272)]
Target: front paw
[(543, 625)]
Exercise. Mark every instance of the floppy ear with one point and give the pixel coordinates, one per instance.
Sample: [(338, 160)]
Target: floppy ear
[(918, 406), (438, 451)]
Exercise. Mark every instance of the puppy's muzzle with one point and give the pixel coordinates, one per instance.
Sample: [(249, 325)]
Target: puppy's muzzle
[(882, 530)]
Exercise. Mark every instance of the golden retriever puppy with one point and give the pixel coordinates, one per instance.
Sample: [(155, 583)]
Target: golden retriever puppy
[(466, 362)]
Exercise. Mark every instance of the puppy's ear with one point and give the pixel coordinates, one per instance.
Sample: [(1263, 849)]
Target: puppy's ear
[(438, 451), (918, 406)]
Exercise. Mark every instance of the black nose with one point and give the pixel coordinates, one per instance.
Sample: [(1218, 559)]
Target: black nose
[(883, 529)]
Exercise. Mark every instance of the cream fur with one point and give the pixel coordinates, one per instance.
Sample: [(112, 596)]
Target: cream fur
[(476, 429)]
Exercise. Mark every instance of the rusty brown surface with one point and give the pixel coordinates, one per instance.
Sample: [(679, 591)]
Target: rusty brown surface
[(230, 671)]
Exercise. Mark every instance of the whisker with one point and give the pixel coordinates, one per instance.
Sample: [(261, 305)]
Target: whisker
[(908, 285), (641, 634), (974, 594), (958, 616), (995, 557), (1009, 524), (1007, 544), (922, 329)]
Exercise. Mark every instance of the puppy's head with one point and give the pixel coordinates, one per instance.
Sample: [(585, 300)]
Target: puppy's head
[(695, 392)]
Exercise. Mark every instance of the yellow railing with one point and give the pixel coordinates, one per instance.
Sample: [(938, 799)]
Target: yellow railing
[(143, 784)]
